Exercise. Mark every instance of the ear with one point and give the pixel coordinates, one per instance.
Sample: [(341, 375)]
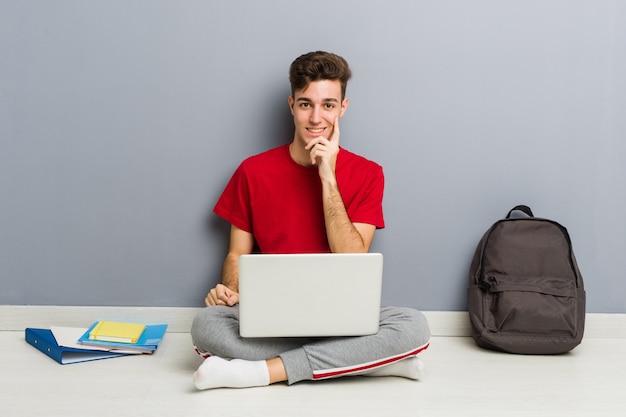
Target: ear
[(291, 103), (344, 106)]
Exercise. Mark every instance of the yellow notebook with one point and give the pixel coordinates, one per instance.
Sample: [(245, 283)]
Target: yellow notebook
[(112, 331)]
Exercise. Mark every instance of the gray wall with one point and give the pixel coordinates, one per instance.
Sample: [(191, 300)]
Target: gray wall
[(121, 121)]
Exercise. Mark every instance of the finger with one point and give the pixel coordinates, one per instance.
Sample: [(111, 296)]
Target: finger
[(232, 300), (335, 135), (208, 301), (314, 156), (317, 141), (222, 293), (227, 296), (213, 298), (214, 302)]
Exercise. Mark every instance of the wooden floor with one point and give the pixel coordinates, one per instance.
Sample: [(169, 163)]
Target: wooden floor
[(460, 380)]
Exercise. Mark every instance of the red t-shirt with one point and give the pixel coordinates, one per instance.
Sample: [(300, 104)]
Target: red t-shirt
[(280, 201)]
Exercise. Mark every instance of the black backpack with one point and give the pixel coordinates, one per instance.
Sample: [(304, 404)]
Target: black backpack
[(526, 292)]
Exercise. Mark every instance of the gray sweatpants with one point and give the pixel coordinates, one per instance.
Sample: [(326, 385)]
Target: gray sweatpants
[(403, 333)]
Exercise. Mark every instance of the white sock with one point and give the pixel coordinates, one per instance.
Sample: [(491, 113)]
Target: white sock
[(216, 372), (411, 368)]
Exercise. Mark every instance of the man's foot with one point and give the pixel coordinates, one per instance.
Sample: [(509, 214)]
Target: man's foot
[(412, 368), (216, 372)]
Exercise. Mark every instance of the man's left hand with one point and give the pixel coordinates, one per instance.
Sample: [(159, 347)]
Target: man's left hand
[(324, 152)]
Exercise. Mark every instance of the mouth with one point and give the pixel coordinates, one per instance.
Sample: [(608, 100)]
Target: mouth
[(315, 131)]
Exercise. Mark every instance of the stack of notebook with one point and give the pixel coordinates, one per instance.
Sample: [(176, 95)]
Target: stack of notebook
[(104, 339)]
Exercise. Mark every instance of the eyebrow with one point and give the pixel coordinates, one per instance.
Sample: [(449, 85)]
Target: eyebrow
[(326, 100)]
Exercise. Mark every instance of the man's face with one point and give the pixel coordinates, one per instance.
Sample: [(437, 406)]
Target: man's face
[(315, 109)]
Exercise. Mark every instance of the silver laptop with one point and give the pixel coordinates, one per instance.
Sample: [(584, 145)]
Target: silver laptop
[(310, 295)]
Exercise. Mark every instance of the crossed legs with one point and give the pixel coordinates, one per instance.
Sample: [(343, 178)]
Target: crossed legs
[(402, 335)]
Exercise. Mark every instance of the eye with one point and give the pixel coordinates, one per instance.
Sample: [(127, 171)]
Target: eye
[(305, 105), (329, 106)]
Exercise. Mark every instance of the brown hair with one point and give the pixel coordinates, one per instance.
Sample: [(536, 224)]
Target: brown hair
[(317, 66)]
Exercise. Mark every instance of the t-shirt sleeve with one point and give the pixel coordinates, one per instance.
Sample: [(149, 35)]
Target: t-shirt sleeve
[(234, 203), (370, 203)]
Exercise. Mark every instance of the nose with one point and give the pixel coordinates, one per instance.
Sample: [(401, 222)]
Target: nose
[(315, 116)]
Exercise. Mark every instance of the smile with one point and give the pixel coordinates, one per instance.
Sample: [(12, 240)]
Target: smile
[(318, 130)]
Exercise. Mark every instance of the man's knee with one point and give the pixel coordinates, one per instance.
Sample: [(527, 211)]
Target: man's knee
[(211, 327), (412, 325)]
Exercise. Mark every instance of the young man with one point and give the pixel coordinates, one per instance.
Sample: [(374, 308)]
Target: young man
[(306, 197)]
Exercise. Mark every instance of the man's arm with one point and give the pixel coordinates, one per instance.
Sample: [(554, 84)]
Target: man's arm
[(343, 235), (227, 293)]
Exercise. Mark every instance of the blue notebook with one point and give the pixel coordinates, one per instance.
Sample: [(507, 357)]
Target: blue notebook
[(44, 341), (147, 343)]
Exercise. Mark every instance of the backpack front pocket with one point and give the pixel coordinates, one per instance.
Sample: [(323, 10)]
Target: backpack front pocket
[(545, 305)]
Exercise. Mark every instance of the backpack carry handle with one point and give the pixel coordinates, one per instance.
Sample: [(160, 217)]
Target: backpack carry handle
[(522, 208)]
